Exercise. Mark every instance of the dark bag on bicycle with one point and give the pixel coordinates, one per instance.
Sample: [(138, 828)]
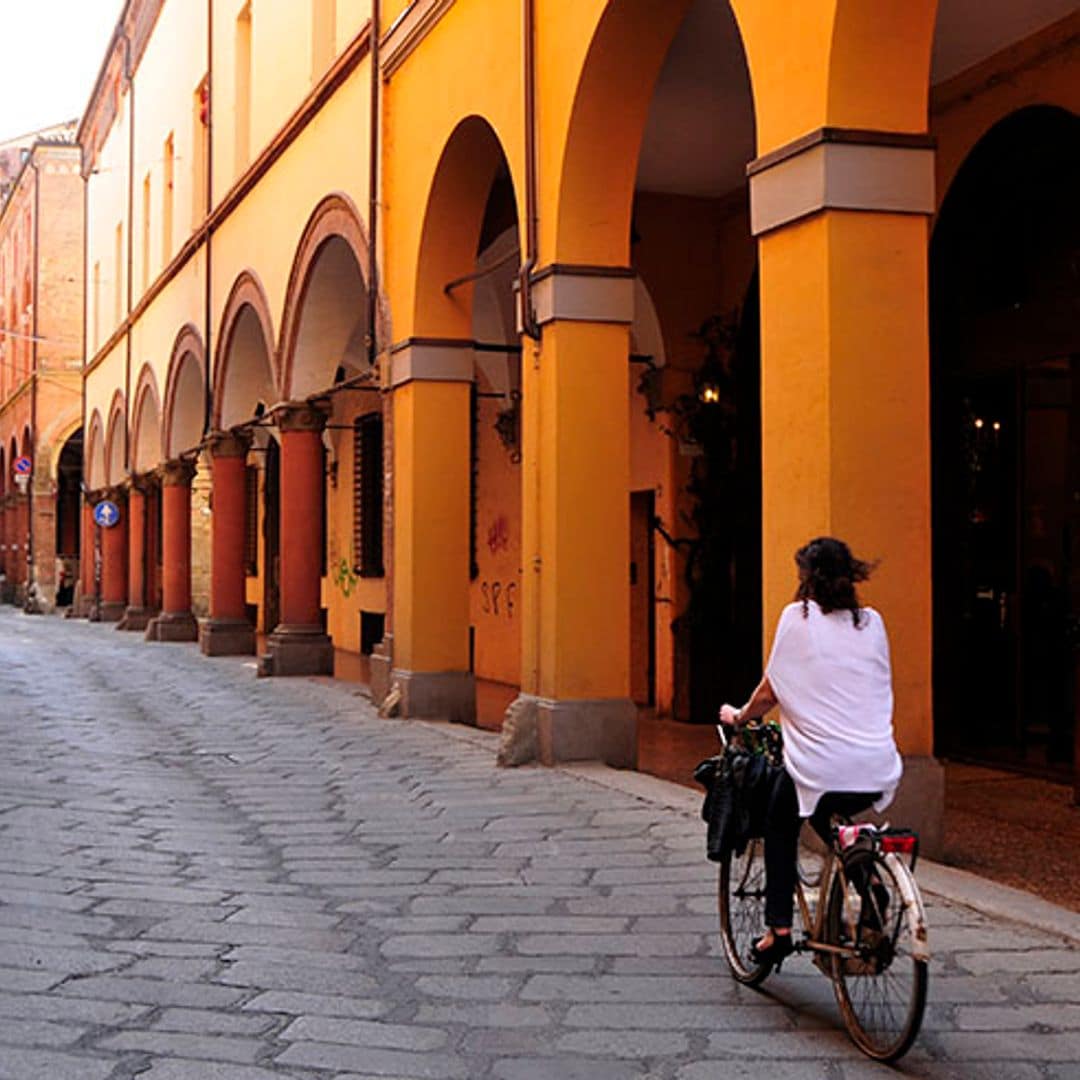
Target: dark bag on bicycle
[(737, 786)]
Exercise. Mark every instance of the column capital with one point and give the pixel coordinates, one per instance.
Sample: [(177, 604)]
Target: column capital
[(298, 416), (834, 168), (114, 493), (141, 482), (577, 292), (229, 444), (177, 473), (419, 359)]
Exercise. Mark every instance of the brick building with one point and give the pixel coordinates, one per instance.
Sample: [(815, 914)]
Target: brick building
[(41, 296)]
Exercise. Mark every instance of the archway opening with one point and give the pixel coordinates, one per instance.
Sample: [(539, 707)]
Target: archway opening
[(1005, 339), (695, 490), (245, 391), (326, 352), (331, 329), (186, 406)]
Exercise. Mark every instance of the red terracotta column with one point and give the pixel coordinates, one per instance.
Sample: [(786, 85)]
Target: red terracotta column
[(299, 645), (227, 632), (5, 561), (86, 559), (138, 612), (176, 622), (114, 549), (17, 541)]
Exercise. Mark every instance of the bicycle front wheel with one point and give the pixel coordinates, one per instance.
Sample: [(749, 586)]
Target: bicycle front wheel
[(880, 977), (741, 899)]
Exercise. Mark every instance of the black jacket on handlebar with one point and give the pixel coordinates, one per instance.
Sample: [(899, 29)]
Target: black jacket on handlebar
[(737, 789)]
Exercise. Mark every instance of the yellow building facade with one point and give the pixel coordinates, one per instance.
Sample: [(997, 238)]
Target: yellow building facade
[(522, 343)]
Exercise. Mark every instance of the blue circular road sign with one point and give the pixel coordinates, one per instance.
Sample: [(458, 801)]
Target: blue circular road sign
[(107, 514), (23, 466)]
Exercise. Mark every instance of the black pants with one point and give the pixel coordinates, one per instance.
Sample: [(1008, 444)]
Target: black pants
[(782, 826)]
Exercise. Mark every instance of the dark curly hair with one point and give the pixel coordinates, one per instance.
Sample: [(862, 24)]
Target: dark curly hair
[(828, 574)]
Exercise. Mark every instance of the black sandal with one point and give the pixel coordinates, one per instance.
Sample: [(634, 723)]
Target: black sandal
[(775, 954)]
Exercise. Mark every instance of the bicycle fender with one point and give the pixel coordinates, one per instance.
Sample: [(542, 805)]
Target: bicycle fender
[(914, 911)]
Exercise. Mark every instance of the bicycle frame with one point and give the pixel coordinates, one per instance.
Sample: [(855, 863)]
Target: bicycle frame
[(813, 923)]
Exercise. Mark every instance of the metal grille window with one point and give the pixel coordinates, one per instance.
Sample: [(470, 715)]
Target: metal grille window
[(251, 520), (368, 495)]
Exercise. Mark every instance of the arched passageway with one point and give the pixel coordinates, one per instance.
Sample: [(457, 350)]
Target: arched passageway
[(1005, 312), (457, 439)]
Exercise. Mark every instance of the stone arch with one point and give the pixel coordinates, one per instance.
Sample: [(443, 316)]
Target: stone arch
[(611, 102), (146, 450), (185, 394), (94, 462), (879, 64), (116, 441), (63, 437), (325, 319), (245, 369), (453, 217)]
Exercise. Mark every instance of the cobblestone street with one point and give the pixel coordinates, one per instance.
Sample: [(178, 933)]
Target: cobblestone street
[(206, 875)]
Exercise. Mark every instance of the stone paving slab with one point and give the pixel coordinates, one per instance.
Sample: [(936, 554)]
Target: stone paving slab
[(208, 876)]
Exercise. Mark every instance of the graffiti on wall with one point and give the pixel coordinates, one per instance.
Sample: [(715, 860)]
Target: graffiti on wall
[(498, 599), (498, 537), (344, 577)]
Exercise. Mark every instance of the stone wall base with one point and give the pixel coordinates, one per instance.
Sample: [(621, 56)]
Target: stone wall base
[(603, 729), (381, 669), (173, 626), (107, 610), (436, 695), (298, 650), (226, 637), (136, 618)]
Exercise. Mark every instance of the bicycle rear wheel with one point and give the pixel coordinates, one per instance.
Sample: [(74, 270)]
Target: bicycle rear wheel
[(880, 980), (741, 899)]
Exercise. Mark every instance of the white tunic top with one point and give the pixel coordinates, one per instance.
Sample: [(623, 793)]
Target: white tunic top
[(833, 682)]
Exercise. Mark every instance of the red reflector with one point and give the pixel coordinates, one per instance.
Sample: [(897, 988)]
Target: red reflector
[(901, 845)]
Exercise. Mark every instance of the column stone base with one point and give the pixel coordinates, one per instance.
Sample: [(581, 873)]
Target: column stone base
[(436, 695), (381, 669), (107, 611), (603, 729), (226, 637), (136, 618), (920, 803), (298, 650), (173, 626)]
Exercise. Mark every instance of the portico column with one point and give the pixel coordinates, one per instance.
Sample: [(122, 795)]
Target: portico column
[(176, 622), (842, 219), (299, 645), (576, 516), (138, 612), (5, 589), (87, 558), (227, 631), (114, 551), (431, 381), (17, 545)]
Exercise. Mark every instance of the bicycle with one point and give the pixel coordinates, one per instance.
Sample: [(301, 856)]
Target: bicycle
[(869, 935)]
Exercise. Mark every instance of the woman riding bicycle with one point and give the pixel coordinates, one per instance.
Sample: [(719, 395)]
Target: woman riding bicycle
[(830, 673)]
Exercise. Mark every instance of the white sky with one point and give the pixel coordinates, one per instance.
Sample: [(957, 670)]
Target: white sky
[(52, 52)]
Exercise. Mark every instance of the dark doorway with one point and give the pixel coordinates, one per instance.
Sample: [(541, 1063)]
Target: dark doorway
[(68, 518), (642, 598), (1005, 340), (272, 535), (723, 568)]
